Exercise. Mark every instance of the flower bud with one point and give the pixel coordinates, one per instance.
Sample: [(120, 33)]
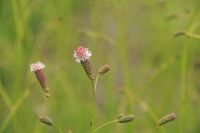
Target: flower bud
[(46, 120), (168, 118), (103, 69), (126, 119)]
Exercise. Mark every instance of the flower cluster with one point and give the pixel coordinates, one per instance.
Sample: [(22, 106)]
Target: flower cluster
[(82, 54), (37, 66)]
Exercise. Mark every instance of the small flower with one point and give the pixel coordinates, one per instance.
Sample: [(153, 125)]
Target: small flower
[(37, 68), (82, 55)]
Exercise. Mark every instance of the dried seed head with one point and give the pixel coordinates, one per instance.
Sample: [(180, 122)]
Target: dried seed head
[(46, 120), (126, 119), (168, 118), (103, 69), (37, 68), (82, 55)]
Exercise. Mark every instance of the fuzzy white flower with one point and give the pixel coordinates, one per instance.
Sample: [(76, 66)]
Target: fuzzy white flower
[(37, 66), (82, 54)]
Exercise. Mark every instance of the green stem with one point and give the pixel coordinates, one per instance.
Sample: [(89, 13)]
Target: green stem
[(183, 84), (155, 129), (57, 129), (95, 83), (150, 111), (14, 110), (192, 35), (188, 34), (55, 111), (94, 86), (105, 124)]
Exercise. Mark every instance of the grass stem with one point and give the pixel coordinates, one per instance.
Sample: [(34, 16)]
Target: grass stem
[(93, 112), (52, 104), (105, 124), (59, 130)]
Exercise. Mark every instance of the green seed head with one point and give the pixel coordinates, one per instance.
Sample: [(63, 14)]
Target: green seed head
[(46, 120), (104, 69), (126, 119), (168, 118)]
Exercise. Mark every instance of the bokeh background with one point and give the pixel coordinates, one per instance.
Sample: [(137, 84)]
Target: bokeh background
[(152, 71)]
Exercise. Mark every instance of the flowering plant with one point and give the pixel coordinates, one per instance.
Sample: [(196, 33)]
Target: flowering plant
[(82, 55)]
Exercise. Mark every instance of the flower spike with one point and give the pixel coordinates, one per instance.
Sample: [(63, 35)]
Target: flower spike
[(37, 68), (82, 55)]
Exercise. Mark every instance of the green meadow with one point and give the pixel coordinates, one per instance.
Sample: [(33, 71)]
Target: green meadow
[(151, 46)]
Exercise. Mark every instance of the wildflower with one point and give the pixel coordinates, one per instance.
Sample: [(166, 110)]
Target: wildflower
[(82, 55), (104, 69), (46, 120), (37, 68), (168, 118)]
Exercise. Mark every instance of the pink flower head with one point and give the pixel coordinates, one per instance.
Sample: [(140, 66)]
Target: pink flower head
[(37, 69), (82, 54), (37, 66)]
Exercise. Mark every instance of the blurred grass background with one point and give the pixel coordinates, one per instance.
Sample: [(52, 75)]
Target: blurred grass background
[(152, 72)]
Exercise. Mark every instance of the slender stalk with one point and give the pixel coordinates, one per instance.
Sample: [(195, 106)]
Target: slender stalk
[(95, 83), (55, 111), (57, 129), (150, 111), (183, 85), (192, 35), (14, 110), (183, 74), (105, 124), (93, 112), (155, 129)]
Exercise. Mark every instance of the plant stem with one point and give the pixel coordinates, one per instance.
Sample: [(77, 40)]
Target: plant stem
[(55, 111), (192, 35), (184, 71), (155, 129), (14, 110), (57, 129), (105, 124), (94, 86), (95, 83)]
